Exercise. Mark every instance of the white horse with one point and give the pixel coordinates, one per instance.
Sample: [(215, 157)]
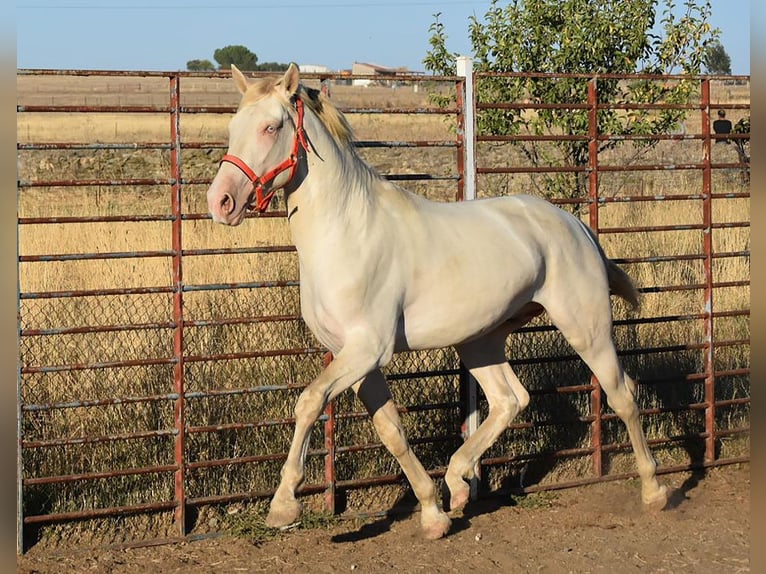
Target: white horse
[(383, 270)]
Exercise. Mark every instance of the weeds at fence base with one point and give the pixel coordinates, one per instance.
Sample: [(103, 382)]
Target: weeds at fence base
[(535, 500), (253, 526)]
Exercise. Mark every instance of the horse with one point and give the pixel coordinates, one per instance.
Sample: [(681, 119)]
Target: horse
[(383, 270)]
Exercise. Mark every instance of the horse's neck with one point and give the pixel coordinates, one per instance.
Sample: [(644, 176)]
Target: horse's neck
[(338, 192)]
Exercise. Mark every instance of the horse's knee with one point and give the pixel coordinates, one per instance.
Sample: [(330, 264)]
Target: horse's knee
[(622, 403), (390, 431), (310, 403), (395, 441)]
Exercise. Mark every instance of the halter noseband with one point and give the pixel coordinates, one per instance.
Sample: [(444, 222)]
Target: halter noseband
[(262, 200)]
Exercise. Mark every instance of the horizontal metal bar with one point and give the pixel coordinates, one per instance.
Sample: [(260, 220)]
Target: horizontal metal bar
[(405, 143), (401, 409), (384, 480), (398, 111), (421, 374), (95, 256), (27, 370), (653, 228), (87, 329), (532, 169), (93, 219), (244, 285), (531, 138), (97, 439), (147, 181), (240, 250), (95, 292), (217, 393), (203, 464), (98, 512), (241, 320), (356, 448), (91, 146), (646, 198), (731, 195), (88, 403), (254, 355), (90, 476), (122, 109), (253, 495), (418, 177)]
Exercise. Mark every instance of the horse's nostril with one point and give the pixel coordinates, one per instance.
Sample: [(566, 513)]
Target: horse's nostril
[(227, 203)]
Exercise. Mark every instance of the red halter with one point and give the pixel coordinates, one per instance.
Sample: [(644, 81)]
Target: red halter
[(262, 200)]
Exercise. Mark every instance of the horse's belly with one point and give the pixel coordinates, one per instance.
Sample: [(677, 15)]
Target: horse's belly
[(445, 325)]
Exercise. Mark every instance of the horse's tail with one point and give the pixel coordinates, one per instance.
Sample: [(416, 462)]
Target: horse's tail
[(620, 283)]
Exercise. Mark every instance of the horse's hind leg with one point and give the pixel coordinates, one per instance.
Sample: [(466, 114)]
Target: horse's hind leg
[(374, 393), (485, 359), (591, 337)]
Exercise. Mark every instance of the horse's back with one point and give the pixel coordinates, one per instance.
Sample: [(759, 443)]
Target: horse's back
[(478, 263)]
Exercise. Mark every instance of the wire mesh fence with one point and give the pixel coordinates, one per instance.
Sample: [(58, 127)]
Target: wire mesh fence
[(161, 355)]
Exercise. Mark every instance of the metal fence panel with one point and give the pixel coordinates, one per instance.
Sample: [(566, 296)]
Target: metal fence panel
[(161, 355)]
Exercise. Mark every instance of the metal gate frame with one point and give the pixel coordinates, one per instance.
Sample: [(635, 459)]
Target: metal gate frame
[(465, 181)]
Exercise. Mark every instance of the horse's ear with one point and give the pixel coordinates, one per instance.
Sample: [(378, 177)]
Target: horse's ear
[(291, 79), (239, 79)]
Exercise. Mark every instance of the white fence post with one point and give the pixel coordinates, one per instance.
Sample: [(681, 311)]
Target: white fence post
[(465, 69)]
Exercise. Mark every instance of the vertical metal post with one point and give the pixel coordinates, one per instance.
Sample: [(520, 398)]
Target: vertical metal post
[(595, 394), (707, 246), (460, 139), (329, 425), (469, 398), (19, 412), (329, 445), (179, 415), (465, 70)]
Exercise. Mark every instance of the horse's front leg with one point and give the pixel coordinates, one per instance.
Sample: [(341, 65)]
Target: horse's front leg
[(351, 365)]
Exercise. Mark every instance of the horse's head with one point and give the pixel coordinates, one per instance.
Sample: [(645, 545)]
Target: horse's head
[(266, 141)]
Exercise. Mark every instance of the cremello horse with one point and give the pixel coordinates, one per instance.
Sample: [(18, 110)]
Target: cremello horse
[(383, 270)]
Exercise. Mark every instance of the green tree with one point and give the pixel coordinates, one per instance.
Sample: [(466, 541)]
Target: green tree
[(578, 36), (240, 56), (272, 67), (717, 61), (200, 65)]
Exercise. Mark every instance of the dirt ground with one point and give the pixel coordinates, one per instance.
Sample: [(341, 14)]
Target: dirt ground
[(599, 528)]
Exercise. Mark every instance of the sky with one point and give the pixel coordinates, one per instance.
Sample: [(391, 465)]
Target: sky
[(164, 34)]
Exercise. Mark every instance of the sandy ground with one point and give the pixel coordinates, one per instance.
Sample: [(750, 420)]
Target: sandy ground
[(599, 528)]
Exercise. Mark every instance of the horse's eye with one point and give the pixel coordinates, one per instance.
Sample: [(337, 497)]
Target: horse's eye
[(271, 129)]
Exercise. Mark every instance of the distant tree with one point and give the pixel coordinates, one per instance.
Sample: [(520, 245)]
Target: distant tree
[(717, 61), (240, 56), (200, 65), (578, 36), (272, 67)]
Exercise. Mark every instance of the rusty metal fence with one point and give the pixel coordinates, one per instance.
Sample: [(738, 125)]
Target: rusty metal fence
[(161, 355)]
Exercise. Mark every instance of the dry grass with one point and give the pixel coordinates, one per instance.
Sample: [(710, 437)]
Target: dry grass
[(259, 374)]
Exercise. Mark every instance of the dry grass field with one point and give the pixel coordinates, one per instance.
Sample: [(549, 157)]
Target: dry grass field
[(262, 386)]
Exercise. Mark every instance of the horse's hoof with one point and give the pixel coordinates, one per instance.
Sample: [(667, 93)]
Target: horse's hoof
[(436, 527), (283, 514), (657, 499), (458, 501), (459, 491)]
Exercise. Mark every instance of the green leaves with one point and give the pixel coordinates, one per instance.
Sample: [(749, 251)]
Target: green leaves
[(586, 37), (240, 56)]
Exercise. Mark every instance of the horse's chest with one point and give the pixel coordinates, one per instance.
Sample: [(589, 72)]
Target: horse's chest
[(321, 317)]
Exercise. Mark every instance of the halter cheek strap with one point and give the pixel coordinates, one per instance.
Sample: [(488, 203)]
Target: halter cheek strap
[(263, 198)]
